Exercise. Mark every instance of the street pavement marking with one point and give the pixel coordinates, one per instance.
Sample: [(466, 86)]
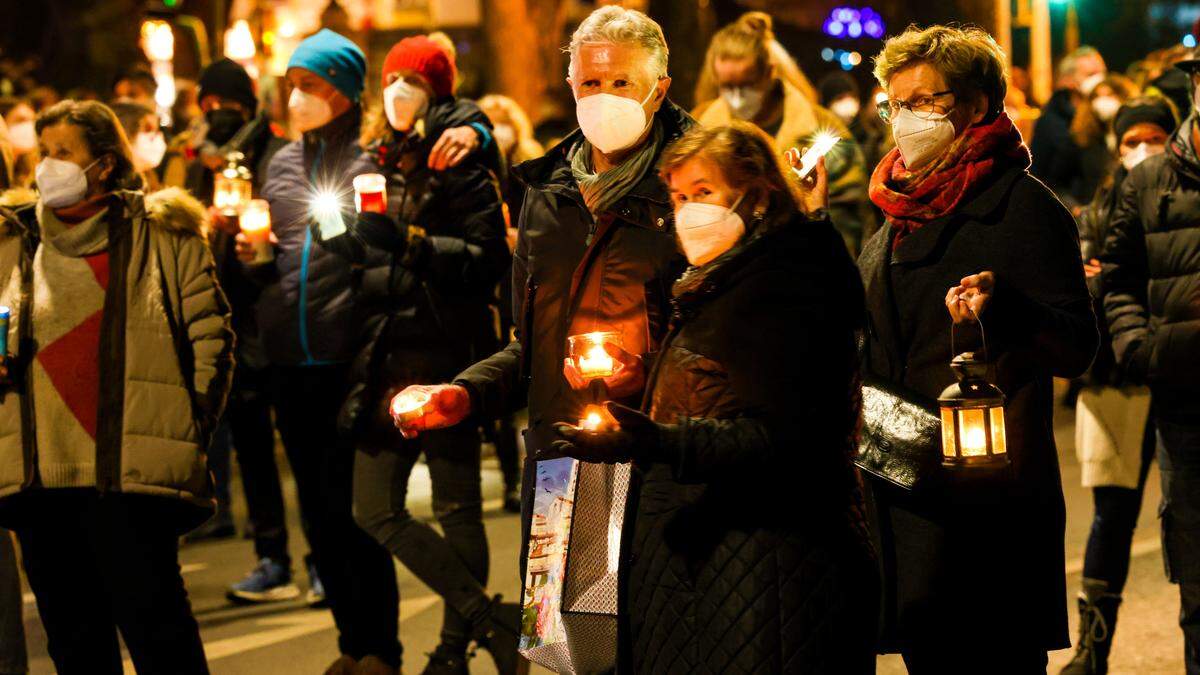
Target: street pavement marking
[(290, 627), (1138, 549)]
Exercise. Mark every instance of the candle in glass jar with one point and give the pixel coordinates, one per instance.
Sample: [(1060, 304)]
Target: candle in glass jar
[(409, 405), (370, 193), (591, 359), (231, 191), (255, 222)]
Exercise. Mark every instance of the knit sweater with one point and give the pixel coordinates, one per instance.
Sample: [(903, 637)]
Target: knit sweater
[(70, 273)]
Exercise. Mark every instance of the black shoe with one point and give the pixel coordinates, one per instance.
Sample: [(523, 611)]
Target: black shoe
[(219, 526), (446, 661), (512, 500), (1097, 623), (499, 632)]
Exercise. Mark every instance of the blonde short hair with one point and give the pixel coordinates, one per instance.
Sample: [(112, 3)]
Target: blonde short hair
[(968, 58), (618, 25)]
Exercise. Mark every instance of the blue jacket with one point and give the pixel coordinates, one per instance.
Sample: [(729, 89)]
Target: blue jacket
[(307, 313)]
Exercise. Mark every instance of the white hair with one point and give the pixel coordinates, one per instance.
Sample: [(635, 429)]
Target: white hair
[(618, 25)]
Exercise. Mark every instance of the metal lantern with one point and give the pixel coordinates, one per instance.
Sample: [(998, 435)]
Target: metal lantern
[(972, 417), (232, 186)]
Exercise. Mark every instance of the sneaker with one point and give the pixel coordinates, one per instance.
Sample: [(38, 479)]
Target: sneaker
[(219, 526), (316, 590), (271, 581)]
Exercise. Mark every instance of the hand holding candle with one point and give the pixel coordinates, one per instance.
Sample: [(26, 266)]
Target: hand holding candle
[(255, 223), (608, 433), (425, 407), (600, 356)]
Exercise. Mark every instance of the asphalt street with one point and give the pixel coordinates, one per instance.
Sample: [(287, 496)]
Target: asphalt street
[(291, 638)]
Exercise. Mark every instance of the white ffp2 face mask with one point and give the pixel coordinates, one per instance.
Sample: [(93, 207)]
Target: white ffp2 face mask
[(746, 102), (1139, 154), (920, 140), (148, 150), (1106, 107), (611, 122), (23, 136), (61, 183), (308, 112), (706, 231), (404, 104), (846, 108)]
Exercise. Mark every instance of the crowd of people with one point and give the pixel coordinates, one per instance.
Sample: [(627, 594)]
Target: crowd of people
[(151, 341)]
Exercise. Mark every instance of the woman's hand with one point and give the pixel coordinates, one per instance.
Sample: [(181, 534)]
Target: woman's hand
[(970, 297), (628, 378), (454, 145), (1092, 268), (815, 185), (245, 249), (635, 436), (449, 404), (222, 222)]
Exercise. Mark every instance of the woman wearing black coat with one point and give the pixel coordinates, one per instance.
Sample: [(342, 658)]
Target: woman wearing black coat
[(747, 550), (974, 577)]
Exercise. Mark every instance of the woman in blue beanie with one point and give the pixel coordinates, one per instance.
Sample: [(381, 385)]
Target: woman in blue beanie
[(307, 319)]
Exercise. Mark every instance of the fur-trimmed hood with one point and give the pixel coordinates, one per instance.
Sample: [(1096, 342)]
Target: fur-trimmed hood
[(171, 209)]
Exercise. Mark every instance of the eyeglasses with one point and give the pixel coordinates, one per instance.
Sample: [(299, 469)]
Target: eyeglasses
[(923, 107)]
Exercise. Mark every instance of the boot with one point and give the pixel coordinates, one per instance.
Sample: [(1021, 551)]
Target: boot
[(1097, 623), (499, 632), (446, 661)]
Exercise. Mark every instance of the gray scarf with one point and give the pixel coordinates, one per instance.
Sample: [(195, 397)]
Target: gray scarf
[(601, 190), (75, 241)]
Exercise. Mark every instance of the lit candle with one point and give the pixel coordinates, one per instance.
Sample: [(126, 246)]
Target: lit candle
[(256, 226), (231, 188), (409, 405), (597, 418), (591, 359), (370, 193), (326, 209)]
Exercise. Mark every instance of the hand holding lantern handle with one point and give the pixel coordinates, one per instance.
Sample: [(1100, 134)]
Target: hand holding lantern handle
[(448, 405), (971, 296)]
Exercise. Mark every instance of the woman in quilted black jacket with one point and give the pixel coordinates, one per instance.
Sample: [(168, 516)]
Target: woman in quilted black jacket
[(747, 550)]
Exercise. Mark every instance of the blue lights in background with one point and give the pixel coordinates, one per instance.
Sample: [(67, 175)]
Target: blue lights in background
[(852, 23)]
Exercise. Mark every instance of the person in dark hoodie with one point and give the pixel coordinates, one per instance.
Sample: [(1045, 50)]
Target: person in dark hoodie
[(430, 261), (1078, 73), (308, 320), (1151, 275), (1114, 437)]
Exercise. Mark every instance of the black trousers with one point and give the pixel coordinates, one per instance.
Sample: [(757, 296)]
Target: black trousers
[(454, 563), (359, 579), (1106, 557), (248, 415), (102, 564), (13, 658), (1179, 469)]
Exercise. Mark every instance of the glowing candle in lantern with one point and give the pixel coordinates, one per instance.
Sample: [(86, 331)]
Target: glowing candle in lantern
[(256, 226), (409, 405), (232, 187), (370, 193), (591, 359)]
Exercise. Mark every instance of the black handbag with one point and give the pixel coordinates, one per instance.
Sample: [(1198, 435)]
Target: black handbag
[(900, 439)]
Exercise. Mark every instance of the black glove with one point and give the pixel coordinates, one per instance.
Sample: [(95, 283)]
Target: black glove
[(379, 231), (637, 439)]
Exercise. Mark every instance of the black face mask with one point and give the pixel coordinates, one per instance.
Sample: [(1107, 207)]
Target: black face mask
[(223, 124)]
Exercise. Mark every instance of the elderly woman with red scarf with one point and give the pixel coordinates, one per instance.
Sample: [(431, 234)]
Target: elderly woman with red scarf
[(973, 564)]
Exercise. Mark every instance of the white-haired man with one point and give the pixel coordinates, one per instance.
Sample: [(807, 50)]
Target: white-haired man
[(596, 250)]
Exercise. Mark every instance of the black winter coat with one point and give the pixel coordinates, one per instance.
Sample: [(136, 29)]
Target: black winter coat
[(1151, 263), (963, 555), (1052, 136), (1093, 228), (749, 547), (425, 299), (307, 313), (561, 283)]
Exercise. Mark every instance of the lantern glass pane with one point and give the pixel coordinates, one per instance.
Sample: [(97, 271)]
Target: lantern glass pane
[(949, 446), (971, 432), (999, 443)]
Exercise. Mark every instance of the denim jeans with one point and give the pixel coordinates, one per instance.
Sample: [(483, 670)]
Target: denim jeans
[(454, 564), (1179, 465), (13, 659)]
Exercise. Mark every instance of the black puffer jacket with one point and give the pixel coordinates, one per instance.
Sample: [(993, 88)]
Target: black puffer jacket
[(1151, 262), (1093, 228), (749, 550), (425, 298)]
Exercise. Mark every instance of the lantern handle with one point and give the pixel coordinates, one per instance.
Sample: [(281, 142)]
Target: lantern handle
[(982, 336)]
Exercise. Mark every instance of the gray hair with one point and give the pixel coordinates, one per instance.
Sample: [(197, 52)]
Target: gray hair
[(1066, 67), (618, 25)]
